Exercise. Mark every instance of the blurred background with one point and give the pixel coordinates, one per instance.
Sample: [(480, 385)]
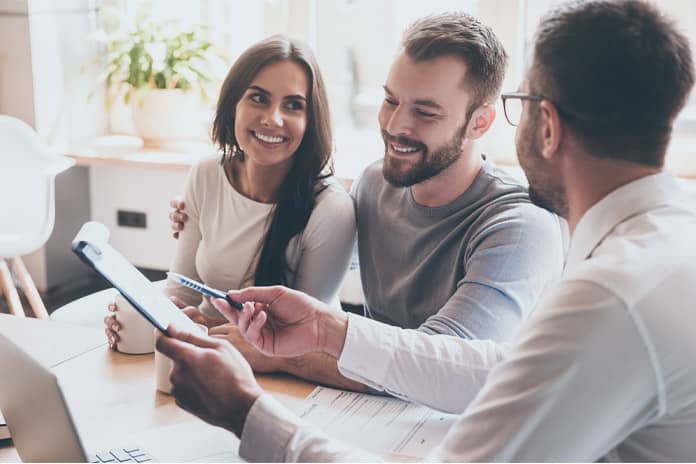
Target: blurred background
[(60, 72)]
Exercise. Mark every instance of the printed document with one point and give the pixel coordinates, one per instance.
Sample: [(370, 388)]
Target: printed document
[(376, 423)]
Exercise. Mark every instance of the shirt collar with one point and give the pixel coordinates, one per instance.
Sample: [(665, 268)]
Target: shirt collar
[(637, 197)]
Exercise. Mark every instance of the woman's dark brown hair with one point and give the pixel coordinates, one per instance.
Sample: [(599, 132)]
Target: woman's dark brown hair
[(311, 162)]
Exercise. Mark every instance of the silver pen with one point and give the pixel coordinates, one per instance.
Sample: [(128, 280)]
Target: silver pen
[(202, 288)]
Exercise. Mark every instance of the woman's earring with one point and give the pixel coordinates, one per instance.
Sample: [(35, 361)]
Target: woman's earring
[(237, 152)]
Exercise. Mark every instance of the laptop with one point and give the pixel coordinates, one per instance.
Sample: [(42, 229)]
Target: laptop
[(43, 429), (4, 431)]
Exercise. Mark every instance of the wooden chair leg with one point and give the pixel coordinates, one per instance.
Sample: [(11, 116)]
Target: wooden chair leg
[(29, 287), (8, 288)]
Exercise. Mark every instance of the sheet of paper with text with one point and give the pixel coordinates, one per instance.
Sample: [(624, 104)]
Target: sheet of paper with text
[(376, 423)]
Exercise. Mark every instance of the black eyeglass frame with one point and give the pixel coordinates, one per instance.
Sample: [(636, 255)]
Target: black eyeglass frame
[(519, 96), (578, 121)]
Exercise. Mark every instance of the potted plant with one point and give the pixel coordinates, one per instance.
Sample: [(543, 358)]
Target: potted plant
[(162, 70)]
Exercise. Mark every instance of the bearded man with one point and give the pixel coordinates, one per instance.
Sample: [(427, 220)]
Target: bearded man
[(448, 243)]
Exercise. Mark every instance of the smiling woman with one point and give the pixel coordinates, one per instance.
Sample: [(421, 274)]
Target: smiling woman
[(270, 122), (270, 211), (277, 142)]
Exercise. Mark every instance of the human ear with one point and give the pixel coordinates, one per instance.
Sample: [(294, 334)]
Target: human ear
[(481, 120), (550, 129)]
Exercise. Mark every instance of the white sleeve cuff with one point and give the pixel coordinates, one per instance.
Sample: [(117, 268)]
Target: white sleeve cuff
[(368, 351), (268, 429)]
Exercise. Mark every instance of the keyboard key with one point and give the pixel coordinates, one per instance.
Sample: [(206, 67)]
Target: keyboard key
[(120, 455), (105, 456)]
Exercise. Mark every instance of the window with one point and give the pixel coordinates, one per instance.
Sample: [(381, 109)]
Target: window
[(356, 40)]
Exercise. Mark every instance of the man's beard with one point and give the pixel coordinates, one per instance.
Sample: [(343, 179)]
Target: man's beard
[(404, 173), (545, 190)]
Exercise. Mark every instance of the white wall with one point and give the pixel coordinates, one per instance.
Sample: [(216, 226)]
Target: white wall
[(16, 84), (141, 190)]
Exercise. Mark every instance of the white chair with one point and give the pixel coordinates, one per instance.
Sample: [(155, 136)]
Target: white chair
[(28, 168)]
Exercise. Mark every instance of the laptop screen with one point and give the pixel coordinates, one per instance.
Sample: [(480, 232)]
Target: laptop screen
[(35, 410)]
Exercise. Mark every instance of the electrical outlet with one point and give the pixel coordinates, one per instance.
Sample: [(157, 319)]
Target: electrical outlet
[(131, 219)]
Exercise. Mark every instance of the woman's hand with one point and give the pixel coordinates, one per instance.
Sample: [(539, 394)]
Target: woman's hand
[(112, 326), (198, 317), (177, 215)]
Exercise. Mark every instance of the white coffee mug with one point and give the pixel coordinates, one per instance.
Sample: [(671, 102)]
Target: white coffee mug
[(164, 365), (135, 336)]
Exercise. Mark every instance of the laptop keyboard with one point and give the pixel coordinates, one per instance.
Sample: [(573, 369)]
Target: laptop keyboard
[(127, 454)]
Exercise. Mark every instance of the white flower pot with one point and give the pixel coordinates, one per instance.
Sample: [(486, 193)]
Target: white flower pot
[(163, 115)]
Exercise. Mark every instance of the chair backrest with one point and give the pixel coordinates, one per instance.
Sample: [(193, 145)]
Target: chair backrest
[(27, 199)]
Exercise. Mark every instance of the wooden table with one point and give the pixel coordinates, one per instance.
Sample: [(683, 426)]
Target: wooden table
[(112, 396)]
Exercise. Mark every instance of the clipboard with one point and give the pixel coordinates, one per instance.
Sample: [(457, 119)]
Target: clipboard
[(91, 245)]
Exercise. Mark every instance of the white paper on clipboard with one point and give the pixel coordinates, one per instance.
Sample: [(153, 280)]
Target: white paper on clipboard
[(91, 244)]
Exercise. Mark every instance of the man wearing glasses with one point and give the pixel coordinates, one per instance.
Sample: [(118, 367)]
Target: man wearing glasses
[(448, 242), (604, 368)]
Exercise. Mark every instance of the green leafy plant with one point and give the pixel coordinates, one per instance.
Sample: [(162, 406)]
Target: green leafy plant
[(159, 55)]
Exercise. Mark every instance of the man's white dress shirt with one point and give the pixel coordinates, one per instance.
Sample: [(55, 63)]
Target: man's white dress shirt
[(604, 368)]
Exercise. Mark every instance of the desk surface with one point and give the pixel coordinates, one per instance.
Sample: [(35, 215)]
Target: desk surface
[(113, 395), (50, 342)]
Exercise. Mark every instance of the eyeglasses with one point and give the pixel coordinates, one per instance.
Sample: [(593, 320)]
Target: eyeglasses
[(512, 105)]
